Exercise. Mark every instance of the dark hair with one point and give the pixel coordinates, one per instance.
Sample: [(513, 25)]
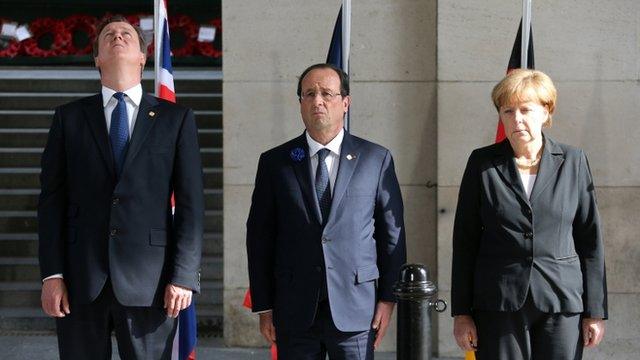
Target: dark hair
[(344, 78), (117, 18)]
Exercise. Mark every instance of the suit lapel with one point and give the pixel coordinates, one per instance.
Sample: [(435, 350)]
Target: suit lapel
[(302, 169), (144, 123), (94, 113), (506, 166), (552, 159), (348, 161)]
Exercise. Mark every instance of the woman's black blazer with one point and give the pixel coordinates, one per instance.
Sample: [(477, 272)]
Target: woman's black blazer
[(505, 245)]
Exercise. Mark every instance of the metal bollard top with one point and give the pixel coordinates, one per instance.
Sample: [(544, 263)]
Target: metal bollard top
[(414, 283)]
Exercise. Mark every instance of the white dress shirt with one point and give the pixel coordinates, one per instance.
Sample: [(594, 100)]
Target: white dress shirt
[(332, 160), (132, 100), (528, 180)]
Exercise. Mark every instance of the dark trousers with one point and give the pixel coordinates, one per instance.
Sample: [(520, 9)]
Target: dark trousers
[(323, 338), (141, 332), (528, 334)]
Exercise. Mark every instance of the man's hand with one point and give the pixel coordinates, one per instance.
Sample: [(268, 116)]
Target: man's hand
[(464, 330), (266, 326), (176, 298), (592, 331), (381, 320), (55, 298)]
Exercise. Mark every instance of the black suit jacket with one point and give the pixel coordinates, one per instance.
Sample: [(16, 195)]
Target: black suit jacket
[(93, 227), (505, 245), (357, 252)]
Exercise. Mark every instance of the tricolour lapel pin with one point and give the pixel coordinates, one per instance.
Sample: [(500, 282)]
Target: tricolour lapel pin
[(350, 157), (152, 114)]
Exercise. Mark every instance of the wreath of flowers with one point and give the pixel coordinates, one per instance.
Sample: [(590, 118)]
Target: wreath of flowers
[(84, 23), (62, 32), (13, 46), (42, 26), (189, 29), (207, 48)]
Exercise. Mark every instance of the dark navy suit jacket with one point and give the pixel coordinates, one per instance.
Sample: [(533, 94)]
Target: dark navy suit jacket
[(93, 227), (550, 245), (358, 252)]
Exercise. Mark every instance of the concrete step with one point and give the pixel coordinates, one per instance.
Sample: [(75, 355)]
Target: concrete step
[(211, 268), (20, 157), (48, 101), (26, 244), (206, 119), (25, 221), (19, 269), (19, 245), (25, 178), (20, 294), (19, 199), (30, 157), (31, 319), (37, 138), (93, 85)]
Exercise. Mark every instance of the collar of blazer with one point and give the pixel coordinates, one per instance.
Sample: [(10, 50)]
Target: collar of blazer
[(550, 162), (94, 113), (304, 173)]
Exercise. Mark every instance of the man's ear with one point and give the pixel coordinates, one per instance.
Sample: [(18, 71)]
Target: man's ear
[(346, 100)]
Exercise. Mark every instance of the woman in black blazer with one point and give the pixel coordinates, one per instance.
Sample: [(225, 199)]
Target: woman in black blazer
[(528, 274)]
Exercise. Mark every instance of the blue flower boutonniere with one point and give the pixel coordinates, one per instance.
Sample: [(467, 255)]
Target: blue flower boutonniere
[(297, 154)]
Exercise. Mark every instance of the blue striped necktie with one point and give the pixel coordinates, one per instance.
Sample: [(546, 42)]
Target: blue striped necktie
[(323, 187), (119, 132)]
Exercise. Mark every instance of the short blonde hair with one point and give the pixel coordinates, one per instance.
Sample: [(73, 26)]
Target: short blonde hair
[(522, 85)]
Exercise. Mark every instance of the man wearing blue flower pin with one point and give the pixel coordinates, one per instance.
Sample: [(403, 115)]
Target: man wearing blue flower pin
[(325, 234)]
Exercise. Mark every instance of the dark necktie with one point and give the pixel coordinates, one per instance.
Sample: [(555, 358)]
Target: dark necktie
[(119, 131), (323, 188)]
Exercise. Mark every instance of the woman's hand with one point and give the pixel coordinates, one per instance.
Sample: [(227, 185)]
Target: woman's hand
[(592, 331), (464, 329)]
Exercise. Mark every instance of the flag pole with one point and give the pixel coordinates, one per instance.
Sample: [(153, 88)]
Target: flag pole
[(346, 46), (526, 27), (157, 33)]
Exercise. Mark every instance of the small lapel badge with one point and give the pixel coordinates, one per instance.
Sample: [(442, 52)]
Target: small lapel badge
[(350, 157), (152, 114)]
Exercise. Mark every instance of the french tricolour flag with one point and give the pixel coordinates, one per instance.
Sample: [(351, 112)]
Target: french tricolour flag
[(184, 342)]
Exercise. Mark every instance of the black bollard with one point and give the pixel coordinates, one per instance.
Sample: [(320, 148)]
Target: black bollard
[(416, 297)]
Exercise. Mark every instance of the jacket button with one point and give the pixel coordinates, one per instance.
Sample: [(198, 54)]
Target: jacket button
[(325, 240), (528, 235), (319, 269), (529, 258), (115, 201), (114, 232), (527, 211)]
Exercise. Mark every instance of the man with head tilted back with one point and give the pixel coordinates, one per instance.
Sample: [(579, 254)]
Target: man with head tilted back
[(113, 259)]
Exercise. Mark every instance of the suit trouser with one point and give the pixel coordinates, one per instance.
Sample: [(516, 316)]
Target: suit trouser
[(141, 332), (528, 334), (323, 338)]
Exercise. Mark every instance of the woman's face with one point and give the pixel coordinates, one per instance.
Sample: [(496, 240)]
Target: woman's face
[(523, 121)]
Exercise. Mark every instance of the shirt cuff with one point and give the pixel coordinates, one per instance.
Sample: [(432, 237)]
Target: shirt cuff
[(54, 276), (264, 311)]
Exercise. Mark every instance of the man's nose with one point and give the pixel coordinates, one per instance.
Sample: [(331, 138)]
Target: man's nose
[(317, 99)]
